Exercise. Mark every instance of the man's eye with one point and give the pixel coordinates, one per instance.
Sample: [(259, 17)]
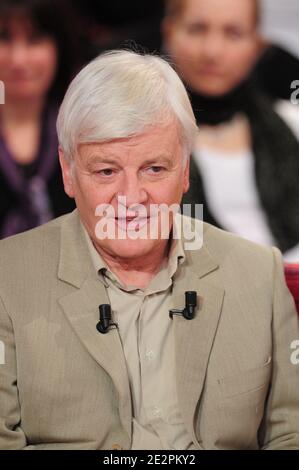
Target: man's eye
[(156, 169), (106, 172)]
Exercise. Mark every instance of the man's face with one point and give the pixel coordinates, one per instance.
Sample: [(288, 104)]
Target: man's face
[(147, 169), (214, 44)]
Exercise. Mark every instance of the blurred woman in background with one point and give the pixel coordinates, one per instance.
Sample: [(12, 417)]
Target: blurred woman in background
[(36, 65), (245, 167)]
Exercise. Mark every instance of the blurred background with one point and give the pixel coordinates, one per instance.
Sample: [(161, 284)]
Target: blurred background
[(44, 43), (117, 23)]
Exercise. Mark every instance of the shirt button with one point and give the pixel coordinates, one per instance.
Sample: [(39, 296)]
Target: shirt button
[(149, 355), (157, 412)]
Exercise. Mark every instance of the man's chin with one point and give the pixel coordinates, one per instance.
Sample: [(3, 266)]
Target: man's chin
[(130, 249)]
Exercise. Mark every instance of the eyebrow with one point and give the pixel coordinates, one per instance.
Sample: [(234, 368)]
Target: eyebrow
[(158, 159), (111, 160), (98, 159)]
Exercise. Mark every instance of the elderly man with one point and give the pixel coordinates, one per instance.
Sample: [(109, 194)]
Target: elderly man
[(161, 369)]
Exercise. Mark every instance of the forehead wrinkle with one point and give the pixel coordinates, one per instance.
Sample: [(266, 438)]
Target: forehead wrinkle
[(105, 152), (112, 159), (119, 150)]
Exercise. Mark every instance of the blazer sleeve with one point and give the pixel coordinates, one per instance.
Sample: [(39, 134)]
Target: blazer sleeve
[(12, 436), (280, 428)]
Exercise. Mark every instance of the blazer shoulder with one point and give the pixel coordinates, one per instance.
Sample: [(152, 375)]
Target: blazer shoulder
[(225, 247), (31, 245)]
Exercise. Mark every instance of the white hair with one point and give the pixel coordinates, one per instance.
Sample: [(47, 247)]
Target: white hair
[(120, 94)]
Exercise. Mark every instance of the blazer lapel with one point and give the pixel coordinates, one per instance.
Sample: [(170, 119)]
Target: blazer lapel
[(81, 307), (194, 338)]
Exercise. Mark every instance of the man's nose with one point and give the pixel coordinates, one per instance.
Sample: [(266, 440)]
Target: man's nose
[(133, 189)]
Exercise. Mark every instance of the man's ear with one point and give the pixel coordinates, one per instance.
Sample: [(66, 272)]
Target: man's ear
[(186, 183), (67, 173)]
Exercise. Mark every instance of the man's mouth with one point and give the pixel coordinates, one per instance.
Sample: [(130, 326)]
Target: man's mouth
[(131, 223)]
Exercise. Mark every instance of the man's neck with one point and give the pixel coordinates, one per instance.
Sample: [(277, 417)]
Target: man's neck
[(140, 271)]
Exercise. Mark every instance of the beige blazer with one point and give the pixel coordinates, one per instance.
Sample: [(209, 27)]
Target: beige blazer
[(65, 386)]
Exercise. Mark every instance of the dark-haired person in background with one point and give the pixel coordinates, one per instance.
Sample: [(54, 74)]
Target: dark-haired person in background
[(245, 166), (36, 65)]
